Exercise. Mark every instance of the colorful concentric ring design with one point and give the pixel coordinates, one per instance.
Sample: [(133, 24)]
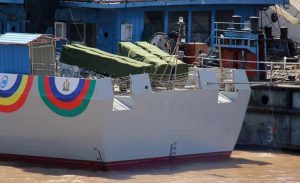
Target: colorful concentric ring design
[(13, 98), (67, 105)]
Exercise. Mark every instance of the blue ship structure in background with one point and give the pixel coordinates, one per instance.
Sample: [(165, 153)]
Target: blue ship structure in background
[(103, 24)]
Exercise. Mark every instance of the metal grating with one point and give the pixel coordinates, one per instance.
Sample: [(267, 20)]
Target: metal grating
[(43, 60)]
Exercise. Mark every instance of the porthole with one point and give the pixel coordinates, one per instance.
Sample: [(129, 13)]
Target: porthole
[(264, 100)]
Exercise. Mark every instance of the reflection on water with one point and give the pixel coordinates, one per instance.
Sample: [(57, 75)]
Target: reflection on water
[(244, 166)]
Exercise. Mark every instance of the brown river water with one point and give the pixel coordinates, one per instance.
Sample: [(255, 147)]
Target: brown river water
[(243, 166)]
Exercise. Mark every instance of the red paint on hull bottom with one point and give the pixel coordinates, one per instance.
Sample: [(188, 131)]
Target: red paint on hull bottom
[(118, 165)]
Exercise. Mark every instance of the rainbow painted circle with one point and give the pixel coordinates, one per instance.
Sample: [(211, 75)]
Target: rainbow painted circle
[(66, 97), (14, 90)]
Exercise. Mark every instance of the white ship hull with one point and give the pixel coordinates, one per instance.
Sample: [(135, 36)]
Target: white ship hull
[(117, 132)]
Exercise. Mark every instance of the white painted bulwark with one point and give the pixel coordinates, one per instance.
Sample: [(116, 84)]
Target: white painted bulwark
[(193, 119), (208, 79), (140, 84)]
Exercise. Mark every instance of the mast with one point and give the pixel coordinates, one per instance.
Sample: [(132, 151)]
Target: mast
[(180, 40)]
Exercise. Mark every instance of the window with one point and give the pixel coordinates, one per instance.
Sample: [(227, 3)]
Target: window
[(77, 33), (60, 30), (126, 32), (154, 22), (224, 16), (91, 31), (174, 18), (201, 26)]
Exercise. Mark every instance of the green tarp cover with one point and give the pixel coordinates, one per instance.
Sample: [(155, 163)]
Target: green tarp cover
[(135, 52), (170, 59), (102, 62)]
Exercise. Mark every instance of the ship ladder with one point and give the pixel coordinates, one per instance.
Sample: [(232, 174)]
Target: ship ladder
[(172, 153)]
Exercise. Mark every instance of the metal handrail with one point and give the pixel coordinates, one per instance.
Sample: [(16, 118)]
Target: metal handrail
[(230, 28)]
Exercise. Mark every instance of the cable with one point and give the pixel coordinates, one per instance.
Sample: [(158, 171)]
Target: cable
[(75, 25), (278, 19)]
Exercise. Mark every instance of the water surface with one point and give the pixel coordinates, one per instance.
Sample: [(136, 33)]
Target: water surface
[(243, 166)]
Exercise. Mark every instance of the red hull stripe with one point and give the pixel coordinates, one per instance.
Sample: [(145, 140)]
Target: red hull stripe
[(119, 165), (66, 105)]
